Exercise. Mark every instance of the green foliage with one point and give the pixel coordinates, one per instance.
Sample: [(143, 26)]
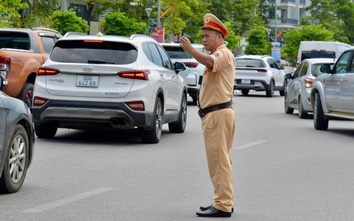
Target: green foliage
[(117, 23), (292, 38), (334, 15), (38, 13), (68, 21), (257, 42), (9, 12)]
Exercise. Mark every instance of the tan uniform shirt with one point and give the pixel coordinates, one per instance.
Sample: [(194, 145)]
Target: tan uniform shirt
[(218, 84)]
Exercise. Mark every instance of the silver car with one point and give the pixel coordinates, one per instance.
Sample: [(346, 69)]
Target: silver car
[(16, 142), (259, 73), (109, 82), (297, 93)]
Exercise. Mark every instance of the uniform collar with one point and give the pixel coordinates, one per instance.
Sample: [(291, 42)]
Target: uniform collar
[(219, 47)]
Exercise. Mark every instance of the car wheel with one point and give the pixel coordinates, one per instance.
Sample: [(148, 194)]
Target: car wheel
[(245, 91), (270, 89), (180, 125), (154, 135), (302, 114), (45, 130), (319, 121), (27, 94), (287, 109), (16, 162)]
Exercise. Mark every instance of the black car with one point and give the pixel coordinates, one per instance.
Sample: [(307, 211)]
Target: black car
[(16, 141)]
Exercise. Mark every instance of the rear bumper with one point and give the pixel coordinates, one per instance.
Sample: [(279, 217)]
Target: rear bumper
[(258, 85), (81, 115)]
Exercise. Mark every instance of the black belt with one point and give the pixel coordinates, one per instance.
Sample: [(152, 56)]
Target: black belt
[(203, 112)]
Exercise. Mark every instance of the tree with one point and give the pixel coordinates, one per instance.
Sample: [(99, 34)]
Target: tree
[(117, 23), (241, 14), (68, 21), (334, 15), (292, 38), (94, 7), (38, 12), (183, 16), (257, 41), (9, 12)]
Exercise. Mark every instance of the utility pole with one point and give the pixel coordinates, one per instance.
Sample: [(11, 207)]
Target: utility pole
[(158, 15), (276, 21)]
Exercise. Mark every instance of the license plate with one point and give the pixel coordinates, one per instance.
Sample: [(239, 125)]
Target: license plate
[(245, 81), (86, 81)]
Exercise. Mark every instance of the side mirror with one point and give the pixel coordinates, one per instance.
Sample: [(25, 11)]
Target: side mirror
[(179, 66), (289, 76), (326, 68)]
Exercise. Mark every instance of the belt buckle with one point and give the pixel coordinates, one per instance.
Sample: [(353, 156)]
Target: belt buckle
[(201, 114)]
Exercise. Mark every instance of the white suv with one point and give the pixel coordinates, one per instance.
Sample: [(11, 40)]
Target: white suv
[(105, 82), (259, 73), (194, 71)]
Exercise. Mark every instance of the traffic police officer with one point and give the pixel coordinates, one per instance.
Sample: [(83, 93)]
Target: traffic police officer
[(215, 110)]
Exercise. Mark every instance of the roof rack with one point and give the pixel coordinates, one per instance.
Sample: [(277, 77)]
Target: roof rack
[(45, 29)]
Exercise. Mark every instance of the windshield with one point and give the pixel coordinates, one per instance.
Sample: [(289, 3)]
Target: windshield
[(245, 62), (317, 54)]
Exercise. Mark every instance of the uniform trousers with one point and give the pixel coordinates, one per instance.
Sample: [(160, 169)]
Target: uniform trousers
[(218, 131)]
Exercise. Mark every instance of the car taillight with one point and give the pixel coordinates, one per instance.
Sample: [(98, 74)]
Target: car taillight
[(308, 82), (135, 74), (5, 66), (47, 71), (39, 101), (191, 64), (136, 105)]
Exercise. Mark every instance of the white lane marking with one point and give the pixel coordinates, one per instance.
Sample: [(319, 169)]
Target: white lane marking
[(67, 200), (250, 144)]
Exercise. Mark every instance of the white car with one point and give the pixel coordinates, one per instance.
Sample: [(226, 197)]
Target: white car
[(105, 82), (297, 93), (259, 73), (194, 71)]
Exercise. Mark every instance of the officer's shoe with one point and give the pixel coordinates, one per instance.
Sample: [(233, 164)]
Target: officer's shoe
[(213, 212), (203, 208)]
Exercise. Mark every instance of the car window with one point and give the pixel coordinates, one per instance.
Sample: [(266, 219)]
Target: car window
[(317, 54), (165, 58), (94, 52), (147, 52), (15, 40), (48, 43), (352, 66), (156, 58), (249, 62), (272, 63), (304, 69), (316, 70), (342, 62), (176, 52), (297, 71)]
